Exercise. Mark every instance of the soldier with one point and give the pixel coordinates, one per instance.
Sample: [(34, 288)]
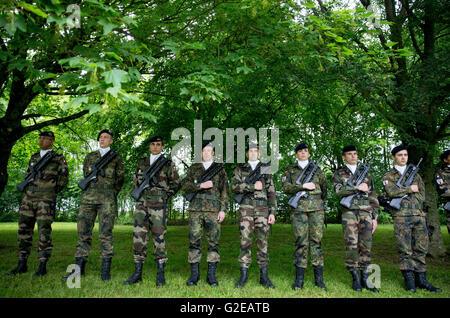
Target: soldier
[(359, 221), (256, 212), (307, 218), (206, 211), (443, 183), (100, 198), (38, 204), (151, 212), (410, 227)]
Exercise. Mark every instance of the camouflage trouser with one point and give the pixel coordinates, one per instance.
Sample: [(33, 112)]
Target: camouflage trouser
[(411, 235), (247, 225), (150, 217), (357, 226), (42, 211), (198, 221), (308, 232), (86, 220)]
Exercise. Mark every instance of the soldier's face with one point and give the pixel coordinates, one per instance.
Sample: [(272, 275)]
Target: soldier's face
[(350, 157), (105, 140), (447, 160), (401, 158), (253, 154), (156, 147), (207, 153), (45, 142), (303, 154)]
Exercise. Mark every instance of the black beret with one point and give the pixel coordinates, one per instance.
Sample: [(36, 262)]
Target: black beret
[(207, 143), (156, 138), (397, 149), (109, 132), (348, 148), (47, 134), (445, 154), (300, 147), (251, 146)]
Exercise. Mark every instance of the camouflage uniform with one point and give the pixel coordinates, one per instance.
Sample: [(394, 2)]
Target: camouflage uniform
[(99, 198), (443, 188), (356, 221), (38, 204), (409, 222), (203, 211), (308, 218), (254, 211), (151, 213)]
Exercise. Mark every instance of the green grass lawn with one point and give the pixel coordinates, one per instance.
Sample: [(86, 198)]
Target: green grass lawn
[(281, 270)]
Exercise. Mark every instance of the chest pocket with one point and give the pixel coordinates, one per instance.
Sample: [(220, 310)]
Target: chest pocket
[(50, 172)]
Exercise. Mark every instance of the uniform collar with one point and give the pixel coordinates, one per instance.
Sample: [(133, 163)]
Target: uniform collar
[(253, 164), (352, 168), (103, 151), (44, 152), (302, 164), (207, 164), (401, 170)]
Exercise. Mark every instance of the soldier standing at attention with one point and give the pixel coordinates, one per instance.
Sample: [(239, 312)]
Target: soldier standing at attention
[(359, 221), (39, 203), (151, 212), (410, 227), (206, 211), (99, 198), (307, 218), (443, 183), (257, 210)]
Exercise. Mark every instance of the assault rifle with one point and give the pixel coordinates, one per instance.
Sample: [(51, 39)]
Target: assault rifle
[(356, 179), (150, 177), (98, 168), (405, 180), (36, 169), (252, 177), (305, 177), (207, 175)]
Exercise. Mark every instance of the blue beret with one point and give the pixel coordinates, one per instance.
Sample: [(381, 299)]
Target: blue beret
[(156, 138), (301, 146), (109, 132), (47, 134), (348, 148), (397, 149)]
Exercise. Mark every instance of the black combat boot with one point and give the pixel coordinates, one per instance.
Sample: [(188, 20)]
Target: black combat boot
[(299, 278), (264, 278), (81, 262), (20, 269), (106, 269), (211, 276), (195, 274), (318, 277), (160, 279), (243, 279), (409, 281), (356, 285), (365, 281), (137, 275), (421, 282), (42, 270)]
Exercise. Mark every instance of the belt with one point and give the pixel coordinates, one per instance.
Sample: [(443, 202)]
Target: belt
[(40, 189), (408, 205), (206, 196), (254, 202)]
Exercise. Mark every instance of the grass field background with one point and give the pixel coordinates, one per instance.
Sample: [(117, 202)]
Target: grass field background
[(281, 270)]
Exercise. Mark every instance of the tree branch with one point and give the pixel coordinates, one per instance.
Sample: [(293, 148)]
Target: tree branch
[(57, 121)]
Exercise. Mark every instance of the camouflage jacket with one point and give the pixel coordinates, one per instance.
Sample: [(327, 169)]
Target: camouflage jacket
[(260, 202), (54, 178), (443, 182), (168, 182), (411, 206), (367, 202), (107, 187), (316, 197), (206, 200)]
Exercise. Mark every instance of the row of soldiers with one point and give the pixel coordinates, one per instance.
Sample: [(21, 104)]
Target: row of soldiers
[(209, 203)]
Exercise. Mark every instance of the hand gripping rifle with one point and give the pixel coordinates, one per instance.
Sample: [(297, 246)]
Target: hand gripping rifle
[(356, 179), (150, 177), (305, 177), (207, 175), (98, 168), (252, 177), (36, 169), (410, 171)]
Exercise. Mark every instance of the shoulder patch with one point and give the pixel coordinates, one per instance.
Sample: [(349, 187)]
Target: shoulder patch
[(385, 182)]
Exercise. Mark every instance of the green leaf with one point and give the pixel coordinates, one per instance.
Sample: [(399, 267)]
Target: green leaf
[(76, 102), (107, 26), (114, 56), (116, 77), (93, 108), (34, 9)]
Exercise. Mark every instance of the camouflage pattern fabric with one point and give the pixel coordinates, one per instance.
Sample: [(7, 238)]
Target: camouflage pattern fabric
[(253, 214), (197, 222), (410, 228), (443, 188), (100, 198), (356, 221), (151, 213), (308, 232), (38, 205)]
